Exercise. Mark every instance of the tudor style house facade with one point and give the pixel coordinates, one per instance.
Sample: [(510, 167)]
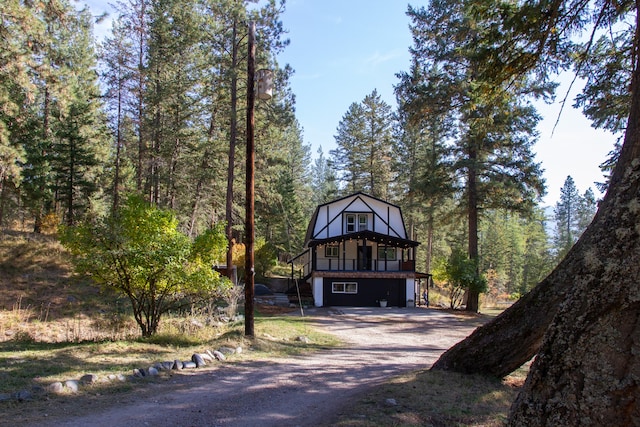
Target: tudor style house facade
[(357, 253)]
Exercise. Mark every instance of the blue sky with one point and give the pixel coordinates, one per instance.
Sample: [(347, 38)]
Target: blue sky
[(344, 49), (341, 50)]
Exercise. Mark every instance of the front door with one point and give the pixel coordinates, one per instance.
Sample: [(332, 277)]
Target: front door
[(364, 257)]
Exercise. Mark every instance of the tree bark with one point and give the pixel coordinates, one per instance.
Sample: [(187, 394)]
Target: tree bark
[(473, 295), (587, 371)]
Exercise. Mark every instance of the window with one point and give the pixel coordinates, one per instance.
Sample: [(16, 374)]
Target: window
[(331, 251), (351, 223), (362, 223), (387, 252), (344, 288)]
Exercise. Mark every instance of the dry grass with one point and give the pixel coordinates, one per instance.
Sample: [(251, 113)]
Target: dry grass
[(435, 398), (54, 327)]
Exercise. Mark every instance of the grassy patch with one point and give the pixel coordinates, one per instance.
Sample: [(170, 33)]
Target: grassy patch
[(24, 364), (435, 398)]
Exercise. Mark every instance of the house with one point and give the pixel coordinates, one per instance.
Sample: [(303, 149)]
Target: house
[(357, 253)]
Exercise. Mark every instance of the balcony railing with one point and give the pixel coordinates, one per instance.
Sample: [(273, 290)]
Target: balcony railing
[(353, 264)]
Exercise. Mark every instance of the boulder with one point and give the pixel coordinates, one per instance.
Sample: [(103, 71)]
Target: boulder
[(227, 350), (198, 360), (206, 357), (22, 395), (89, 379), (56, 387), (71, 385), (218, 355)]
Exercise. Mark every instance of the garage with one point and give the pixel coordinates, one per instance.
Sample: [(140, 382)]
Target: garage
[(363, 292)]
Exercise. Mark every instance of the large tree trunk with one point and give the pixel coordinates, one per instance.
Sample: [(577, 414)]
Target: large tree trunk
[(473, 295), (587, 371), (588, 367)]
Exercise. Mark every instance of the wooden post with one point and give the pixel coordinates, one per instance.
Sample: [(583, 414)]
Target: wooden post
[(250, 201)]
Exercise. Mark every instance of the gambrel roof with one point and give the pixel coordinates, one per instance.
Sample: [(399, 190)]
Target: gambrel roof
[(387, 227)]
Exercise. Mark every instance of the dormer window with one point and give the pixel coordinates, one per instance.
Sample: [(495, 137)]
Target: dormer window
[(357, 222)]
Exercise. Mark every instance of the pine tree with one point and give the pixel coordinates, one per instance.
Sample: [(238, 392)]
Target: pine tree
[(495, 123), (364, 140), (323, 180), (566, 217), (565, 320), (573, 213), (423, 166), (80, 134)]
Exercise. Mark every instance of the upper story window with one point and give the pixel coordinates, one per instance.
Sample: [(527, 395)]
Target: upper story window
[(357, 222)]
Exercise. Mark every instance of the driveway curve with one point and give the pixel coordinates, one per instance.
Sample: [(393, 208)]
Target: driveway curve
[(299, 391)]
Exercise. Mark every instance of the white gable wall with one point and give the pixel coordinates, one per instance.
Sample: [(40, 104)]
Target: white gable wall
[(383, 217)]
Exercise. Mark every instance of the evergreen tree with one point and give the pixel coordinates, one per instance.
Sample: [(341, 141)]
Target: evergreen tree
[(80, 135), (495, 123), (586, 210), (573, 214), (364, 140), (564, 320), (423, 166), (323, 180)]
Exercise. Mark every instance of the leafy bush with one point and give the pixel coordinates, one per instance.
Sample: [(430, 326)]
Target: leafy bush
[(140, 253), (462, 274)]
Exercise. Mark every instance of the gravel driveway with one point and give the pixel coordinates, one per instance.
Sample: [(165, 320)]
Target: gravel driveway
[(300, 391)]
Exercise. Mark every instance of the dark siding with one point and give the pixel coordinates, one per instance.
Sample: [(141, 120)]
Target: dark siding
[(370, 291)]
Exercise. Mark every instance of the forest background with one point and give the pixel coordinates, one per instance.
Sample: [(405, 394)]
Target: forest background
[(158, 109)]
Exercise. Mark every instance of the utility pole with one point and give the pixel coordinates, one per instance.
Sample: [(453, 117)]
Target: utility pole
[(250, 197)]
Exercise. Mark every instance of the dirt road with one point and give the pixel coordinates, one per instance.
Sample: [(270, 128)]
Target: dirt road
[(299, 391)]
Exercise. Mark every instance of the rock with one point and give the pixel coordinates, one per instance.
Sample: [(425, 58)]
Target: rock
[(4, 397), (238, 350), (71, 385), (138, 373), (56, 387), (22, 395), (89, 379), (206, 357), (189, 365), (152, 371), (221, 357), (227, 350), (390, 402), (38, 390), (167, 365), (177, 365), (121, 378), (303, 339), (198, 360), (210, 354)]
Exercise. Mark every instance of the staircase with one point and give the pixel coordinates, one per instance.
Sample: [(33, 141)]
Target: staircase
[(306, 295)]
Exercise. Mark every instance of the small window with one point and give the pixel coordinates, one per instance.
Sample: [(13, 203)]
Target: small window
[(344, 288), (387, 252), (351, 223), (331, 251), (363, 222)]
